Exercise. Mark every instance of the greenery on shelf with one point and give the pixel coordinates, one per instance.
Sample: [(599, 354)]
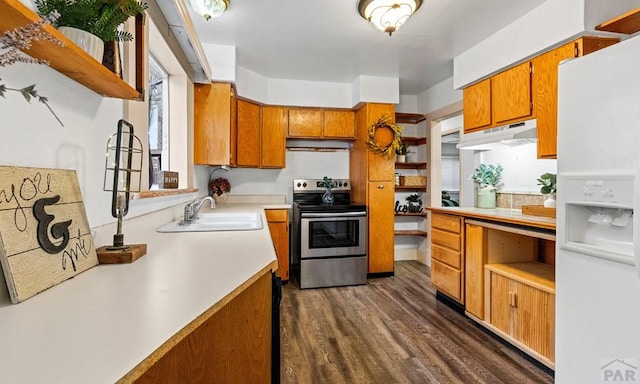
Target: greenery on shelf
[(402, 149), (548, 182), (99, 17), (487, 175)]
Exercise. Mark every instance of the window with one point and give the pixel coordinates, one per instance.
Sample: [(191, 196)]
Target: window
[(158, 121)]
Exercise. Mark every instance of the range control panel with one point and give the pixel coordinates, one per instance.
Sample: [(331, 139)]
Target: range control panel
[(315, 185)]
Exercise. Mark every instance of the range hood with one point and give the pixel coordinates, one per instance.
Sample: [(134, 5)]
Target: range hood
[(518, 131)]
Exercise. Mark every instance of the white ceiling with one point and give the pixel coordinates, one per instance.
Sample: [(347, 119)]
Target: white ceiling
[(327, 40)]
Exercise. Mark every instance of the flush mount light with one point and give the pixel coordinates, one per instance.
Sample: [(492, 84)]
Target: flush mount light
[(388, 15), (209, 8)]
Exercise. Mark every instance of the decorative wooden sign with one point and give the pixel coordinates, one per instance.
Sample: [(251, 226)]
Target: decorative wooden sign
[(45, 237)]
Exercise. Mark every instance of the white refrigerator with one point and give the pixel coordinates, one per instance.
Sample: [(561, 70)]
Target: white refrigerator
[(598, 244)]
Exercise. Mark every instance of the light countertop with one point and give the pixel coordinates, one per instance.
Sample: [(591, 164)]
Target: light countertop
[(96, 327), (504, 215)]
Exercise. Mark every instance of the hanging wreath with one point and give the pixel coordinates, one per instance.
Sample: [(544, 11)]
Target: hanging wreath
[(396, 130)]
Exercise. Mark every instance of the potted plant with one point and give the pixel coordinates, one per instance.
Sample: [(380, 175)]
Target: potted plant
[(548, 183), (100, 18), (415, 203), (487, 177), (219, 188), (401, 152)]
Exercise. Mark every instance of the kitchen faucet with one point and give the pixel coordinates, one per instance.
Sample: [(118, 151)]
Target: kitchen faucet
[(191, 209)]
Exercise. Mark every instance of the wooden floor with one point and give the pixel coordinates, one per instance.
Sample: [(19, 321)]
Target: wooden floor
[(392, 330)]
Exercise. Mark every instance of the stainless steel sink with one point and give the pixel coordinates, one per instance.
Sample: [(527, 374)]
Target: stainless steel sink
[(218, 221)]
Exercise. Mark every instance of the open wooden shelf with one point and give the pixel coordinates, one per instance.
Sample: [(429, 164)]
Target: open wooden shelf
[(411, 165), (409, 118), (423, 214), (626, 23), (69, 60), (410, 233), (414, 140), (402, 188)]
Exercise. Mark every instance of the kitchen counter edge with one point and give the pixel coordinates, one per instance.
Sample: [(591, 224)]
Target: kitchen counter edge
[(503, 215)]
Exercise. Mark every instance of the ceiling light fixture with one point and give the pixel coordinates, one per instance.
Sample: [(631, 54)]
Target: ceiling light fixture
[(388, 15), (209, 8)]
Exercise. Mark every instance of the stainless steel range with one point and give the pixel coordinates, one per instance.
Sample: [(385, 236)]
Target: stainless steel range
[(329, 242)]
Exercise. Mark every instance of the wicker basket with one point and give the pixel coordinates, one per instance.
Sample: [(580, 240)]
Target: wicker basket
[(413, 180)]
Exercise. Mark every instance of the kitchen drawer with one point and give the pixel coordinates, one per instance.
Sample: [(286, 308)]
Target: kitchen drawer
[(448, 280), (276, 215), (446, 239), (446, 256), (449, 223)]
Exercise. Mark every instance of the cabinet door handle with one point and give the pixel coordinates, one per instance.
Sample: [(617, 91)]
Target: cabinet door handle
[(381, 186), (513, 299)]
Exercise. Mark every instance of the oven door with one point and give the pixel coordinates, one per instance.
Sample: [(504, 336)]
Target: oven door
[(333, 234)]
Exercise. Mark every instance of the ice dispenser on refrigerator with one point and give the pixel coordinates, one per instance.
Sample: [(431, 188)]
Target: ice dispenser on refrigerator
[(599, 216)]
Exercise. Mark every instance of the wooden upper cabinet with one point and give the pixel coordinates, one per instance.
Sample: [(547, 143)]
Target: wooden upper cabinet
[(213, 120), (589, 44), (339, 124), (476, 101), (312, 123), (305, 123), (273, 137), (545, 84), (511, 94), (248, 135)]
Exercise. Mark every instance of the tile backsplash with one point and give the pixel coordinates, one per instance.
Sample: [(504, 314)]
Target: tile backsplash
[(515, 200)]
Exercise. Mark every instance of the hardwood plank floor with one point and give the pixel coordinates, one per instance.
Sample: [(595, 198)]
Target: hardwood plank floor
[(391, 330)]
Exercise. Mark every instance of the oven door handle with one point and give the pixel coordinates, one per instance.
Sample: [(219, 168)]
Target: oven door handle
[(334, 214)]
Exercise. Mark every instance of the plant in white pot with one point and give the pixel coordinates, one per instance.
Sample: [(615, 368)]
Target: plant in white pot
[(401, 152), (548, 183), (487, 177), (99, 18)]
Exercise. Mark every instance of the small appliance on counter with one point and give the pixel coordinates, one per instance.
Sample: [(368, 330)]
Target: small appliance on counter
[(329, 241)]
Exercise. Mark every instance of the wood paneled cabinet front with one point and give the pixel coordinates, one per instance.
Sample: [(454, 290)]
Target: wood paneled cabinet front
[(381, 221), (248, 138), (321, 124), (546, 88), (521, 305), (475, 255), (278, 220), (476, 105), (447, 257), (214, 118), (273, 137), (260, 136), (229, 343)]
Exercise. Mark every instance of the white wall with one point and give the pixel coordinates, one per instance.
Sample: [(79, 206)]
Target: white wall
[(521, 166), (31, 136), (300, 164), (438, 96), (553, 22)]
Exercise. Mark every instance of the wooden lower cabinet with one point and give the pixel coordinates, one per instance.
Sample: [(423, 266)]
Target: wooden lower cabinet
[(447, 258), (475, 256), (448, 280), (232, 344), (278, 220), (520, 304), (381, 221)]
